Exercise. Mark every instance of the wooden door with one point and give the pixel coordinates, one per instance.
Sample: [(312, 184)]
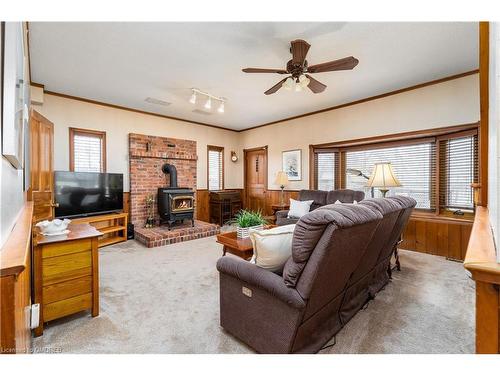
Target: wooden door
[(256, 179), (41, 191)]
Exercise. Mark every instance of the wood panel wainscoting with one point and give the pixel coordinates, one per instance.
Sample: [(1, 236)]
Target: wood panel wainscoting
[(435, 235), (273, 197), (481, 262), (15, 286)]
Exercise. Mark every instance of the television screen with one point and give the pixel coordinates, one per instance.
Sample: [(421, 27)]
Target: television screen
[(87, 193)]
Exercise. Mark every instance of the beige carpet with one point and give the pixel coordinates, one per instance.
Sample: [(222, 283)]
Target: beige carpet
[(165, 300)]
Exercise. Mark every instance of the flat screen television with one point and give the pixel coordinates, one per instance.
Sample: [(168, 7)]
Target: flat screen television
[(87, 193)]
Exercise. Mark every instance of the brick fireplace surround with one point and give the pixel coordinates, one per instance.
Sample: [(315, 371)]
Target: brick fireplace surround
[(147, 154)]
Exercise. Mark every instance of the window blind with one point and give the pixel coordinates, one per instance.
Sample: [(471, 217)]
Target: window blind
[(215, 169), (87, 153), (413, 165), (325, 170), (459, 168)]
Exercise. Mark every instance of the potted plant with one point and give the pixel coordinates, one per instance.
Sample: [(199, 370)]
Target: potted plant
[(246, 220)]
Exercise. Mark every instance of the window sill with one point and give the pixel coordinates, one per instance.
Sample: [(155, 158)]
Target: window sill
[(443, 217)]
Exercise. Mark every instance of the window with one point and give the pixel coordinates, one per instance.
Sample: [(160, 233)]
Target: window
[(459, 169), (435, 167), (412, 164), (325, 167), (215, 168), (87, 150)]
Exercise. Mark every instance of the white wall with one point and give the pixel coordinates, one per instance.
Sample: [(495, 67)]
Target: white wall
[(11, 192), (117, 124), (494, 132), (446, 104)]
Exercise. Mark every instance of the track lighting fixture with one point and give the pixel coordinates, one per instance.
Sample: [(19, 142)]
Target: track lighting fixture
[(221, 107), (193, 98), (208, 104)]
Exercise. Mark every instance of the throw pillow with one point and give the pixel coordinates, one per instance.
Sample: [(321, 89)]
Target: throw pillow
[(272, 247), (299, 208)]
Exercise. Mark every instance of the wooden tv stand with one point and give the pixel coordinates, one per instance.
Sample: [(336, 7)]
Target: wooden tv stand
[(112, 226)]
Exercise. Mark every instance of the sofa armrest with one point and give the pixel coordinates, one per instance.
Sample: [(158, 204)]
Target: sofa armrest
[(283, 219), (282, 214), (260, 278)]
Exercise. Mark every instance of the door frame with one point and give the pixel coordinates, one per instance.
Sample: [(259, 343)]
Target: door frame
[(245, 190)]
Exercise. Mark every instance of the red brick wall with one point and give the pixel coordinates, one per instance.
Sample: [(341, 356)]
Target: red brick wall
[(145, 169)]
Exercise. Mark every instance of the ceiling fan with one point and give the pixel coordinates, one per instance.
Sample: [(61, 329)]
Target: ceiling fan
[(298, 69)]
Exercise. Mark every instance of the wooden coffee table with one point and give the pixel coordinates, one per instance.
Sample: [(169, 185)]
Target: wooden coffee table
[(241, 247)]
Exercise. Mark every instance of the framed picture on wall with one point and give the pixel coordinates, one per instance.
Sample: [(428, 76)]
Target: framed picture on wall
[(292, 164)]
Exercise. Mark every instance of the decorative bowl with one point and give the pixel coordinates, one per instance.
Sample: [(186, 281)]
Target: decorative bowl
[(49, 227)]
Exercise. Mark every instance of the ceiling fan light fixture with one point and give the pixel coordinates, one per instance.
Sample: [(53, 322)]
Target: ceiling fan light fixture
[(304, 81), (289, 83), (208, 104)]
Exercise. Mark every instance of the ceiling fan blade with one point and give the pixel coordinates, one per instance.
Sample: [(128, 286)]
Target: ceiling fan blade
[(299, 51), (263, 70), (314, 85), (347, 63), (276, 87)]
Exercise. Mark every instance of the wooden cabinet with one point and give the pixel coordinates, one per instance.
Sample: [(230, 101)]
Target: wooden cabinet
[(66, 273), (224, 205), (15, 287)]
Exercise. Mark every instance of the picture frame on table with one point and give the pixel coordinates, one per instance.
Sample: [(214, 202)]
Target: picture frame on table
[(292, 164)]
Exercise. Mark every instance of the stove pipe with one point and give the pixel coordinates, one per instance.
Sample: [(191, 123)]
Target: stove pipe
[(172, 171)]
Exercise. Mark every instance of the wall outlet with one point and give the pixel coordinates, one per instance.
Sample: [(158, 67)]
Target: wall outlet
[(35, 315)]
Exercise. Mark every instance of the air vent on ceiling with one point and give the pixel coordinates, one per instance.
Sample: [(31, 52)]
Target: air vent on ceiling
[(201, 112), (157, 101)]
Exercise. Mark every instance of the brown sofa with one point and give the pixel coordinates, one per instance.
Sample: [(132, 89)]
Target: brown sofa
[(340, 259), (320, 198)]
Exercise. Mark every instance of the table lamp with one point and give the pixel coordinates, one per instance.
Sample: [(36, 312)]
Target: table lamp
[(383, 178), (282, 181)]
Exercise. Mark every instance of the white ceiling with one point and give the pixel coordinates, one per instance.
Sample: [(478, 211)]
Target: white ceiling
[(124, 63)]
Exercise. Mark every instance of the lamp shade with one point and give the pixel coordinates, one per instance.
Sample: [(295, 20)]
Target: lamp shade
[(281, 179), (383, 176)]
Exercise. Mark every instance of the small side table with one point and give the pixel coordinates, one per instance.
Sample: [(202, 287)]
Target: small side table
[(279, 207)]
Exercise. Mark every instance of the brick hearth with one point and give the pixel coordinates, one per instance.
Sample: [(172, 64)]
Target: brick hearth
[(160, 236)]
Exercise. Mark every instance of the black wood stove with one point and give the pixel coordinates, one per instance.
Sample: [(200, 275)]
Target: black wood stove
[(174, 203)]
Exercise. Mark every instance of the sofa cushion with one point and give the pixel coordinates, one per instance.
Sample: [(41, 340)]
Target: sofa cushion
[(299, 208), (345, 196), (317, 196), (272, 247)]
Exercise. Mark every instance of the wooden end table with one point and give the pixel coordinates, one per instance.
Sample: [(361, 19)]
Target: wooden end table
[(279, 207), (241, 247)]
